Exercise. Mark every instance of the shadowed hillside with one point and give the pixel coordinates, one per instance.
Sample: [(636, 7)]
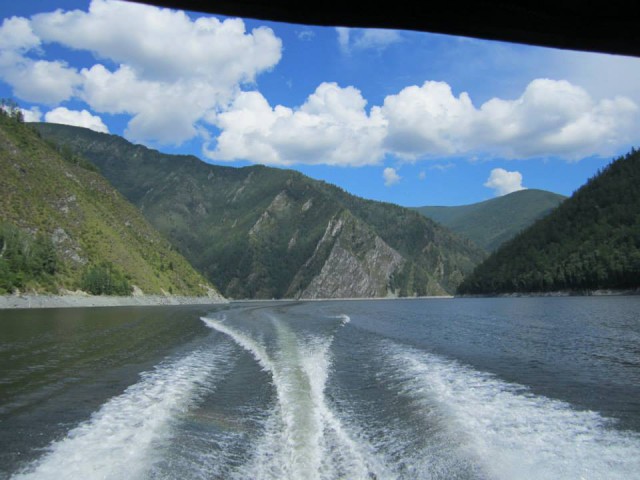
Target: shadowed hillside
[(591, 241), (261, 232), (491, 223)]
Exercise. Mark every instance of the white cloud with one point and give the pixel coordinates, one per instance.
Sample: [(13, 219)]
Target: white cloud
[(32, 115), (161, 112), (427, 120), (550, 118), (375, 38), (390, 176), (555, 118), (77, 118), (504, 182), (40, 81), (16, 35), (168, 82), (442, 166), (598, 73), (305, 35), (163, 44), (343, 38), (422, 175), (332, 127), (354, 39)]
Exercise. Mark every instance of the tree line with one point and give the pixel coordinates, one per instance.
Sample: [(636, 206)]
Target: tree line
[(590, 242)]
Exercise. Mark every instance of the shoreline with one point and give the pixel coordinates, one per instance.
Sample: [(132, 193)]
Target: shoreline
[(26, 301), (562, 293), (8, 302), (77, 300)]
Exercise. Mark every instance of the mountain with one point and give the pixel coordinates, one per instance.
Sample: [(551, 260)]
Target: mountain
[(491, 223), (62, 225), (260, 232), (591, 241)]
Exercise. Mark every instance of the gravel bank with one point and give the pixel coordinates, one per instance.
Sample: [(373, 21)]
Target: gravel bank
[(64, 301)]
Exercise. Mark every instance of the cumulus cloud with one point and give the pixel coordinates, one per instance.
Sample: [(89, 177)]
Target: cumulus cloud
[(40, 81), (503, 181), (163, 44), (354, 39), (554, 118), (77, 118), (550, 118), (166, 82), (161, 112), (16, 35), (332, 127), (427, 120), (390, 176), (32, 115)]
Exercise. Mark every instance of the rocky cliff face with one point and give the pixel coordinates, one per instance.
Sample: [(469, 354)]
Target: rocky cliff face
[(359, 262)]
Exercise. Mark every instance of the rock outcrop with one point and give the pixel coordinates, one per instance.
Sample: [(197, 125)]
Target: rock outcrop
[(359, 262)]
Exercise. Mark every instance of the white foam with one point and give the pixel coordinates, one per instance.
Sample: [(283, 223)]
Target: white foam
[(303, 438), (510, 432), (118, 441)]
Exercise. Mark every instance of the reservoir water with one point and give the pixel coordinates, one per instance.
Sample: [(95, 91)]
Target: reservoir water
[(512, 388)]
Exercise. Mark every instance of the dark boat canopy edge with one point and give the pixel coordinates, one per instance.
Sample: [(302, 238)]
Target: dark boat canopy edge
[(597, 26)]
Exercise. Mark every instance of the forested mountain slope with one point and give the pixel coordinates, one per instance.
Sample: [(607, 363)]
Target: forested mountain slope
[(491, 223), (261, 232), (62, 225), (591, 241)]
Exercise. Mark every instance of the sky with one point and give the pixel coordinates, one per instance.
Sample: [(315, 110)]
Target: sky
[(411, 118)]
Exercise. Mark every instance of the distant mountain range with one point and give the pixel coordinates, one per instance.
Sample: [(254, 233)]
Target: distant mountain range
[(590, 242), (63, 226), (491, 223), (260, 232)]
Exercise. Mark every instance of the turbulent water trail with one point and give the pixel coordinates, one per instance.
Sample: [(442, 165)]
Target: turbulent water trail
[(118, 441), (510, 433), (303, 438)]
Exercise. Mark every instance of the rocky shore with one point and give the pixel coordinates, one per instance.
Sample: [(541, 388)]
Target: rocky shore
[(82, 300)]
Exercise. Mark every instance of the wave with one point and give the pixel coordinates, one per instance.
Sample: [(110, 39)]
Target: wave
[(508, 431), (304, 438), (119, 440), (344, 318)]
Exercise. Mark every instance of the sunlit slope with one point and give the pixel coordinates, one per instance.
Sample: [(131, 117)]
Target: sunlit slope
[(591, 241), (261, 232), (491, 223), (63, 201)]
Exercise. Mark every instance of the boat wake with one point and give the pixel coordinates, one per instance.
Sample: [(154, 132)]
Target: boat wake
[(119, 440), (303, 438), (506, 430)]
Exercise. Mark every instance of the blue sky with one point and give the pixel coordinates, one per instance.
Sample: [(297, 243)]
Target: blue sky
[(405, 117)]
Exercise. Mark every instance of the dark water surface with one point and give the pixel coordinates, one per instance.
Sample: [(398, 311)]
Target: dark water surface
[(525, 388)]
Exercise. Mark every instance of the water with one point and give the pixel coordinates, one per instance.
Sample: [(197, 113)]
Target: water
[(540, 388)]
